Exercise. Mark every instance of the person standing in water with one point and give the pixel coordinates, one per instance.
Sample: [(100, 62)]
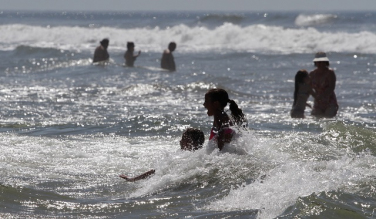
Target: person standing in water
[(323, 81), (100, 53), (302, 91), (215, 102), (167, 60), (129, 56)]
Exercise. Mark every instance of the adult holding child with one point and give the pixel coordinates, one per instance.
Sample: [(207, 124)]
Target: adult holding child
[(323, 81)]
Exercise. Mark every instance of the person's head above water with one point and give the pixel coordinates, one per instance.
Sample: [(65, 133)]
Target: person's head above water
[(218, 98), (130, 45), (217, 94), (105, 42), (192, 139), (300, 76), (172, 46), (321, 57)]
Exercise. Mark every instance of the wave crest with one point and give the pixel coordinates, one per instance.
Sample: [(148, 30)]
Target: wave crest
[(235, 19), (226, 38), (316, 19)]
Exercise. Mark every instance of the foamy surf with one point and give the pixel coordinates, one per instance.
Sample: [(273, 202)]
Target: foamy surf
[(226, 37), (315, 19)]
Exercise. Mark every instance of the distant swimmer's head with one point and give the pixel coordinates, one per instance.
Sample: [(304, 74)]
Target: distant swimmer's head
[(321, 57), (192, 139), (105, 42), (130, 45), (172, 46)]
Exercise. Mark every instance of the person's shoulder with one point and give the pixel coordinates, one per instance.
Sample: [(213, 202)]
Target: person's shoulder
[(332, 74), (99, 48), (166, 51), (313, 71)]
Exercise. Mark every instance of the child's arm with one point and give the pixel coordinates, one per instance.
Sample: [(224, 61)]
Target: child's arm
[(142, 176)]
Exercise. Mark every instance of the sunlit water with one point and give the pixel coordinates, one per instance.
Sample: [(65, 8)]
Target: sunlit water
[(69, 128)]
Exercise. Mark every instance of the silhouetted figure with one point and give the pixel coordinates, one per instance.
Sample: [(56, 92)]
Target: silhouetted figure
[(216, 100), (101, 53), (323, 82), (167, 61), (129, 56), (302, 92)]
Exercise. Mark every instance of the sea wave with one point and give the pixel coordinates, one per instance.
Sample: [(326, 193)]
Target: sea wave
[(313, 165), (227, 37), (315, 19), (231, 18)]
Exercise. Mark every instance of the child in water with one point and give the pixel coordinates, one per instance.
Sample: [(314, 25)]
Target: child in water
[(215, 102), (191, 140), (302, 91), (129, 57)]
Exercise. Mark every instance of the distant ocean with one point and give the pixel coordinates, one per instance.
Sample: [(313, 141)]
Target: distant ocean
[(68, 128)]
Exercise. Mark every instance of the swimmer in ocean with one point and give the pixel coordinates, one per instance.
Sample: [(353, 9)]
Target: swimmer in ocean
[(215, 102), (129, 57), (167, 60), (100, 53)]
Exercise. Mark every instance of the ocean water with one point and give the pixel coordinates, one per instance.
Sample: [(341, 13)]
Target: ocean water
[(68, 128)]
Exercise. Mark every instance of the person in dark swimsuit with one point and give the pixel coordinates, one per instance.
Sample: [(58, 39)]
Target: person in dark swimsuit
[(323, 82), (167, 60), (100, 53), (215, 102)]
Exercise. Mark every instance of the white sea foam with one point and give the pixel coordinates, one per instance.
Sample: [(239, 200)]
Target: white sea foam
[(315, 19), (290, 176), (227, 37), (283, 173)]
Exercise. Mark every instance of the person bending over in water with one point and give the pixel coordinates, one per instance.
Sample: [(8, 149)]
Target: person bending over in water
[(129, 56), (167, 60), (301, 93), (215, 102), (191, 140), (100, 53), (323, 81)]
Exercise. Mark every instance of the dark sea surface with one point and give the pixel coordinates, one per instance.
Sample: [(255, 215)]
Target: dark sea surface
[(68, 128)]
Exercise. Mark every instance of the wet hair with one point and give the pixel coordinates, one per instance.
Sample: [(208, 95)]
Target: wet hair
[(197, 137), (221, 96), (105, 41), (172, 46), (299, 79), (130, 45)]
